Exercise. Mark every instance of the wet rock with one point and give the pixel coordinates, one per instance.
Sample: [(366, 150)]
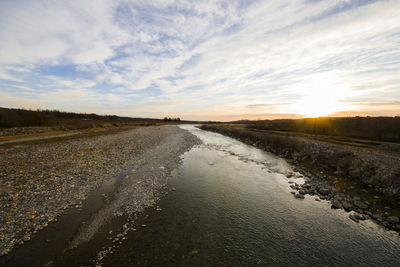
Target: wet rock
[(359, 216), (378, 217), (300, 196), (307, 186), (336, 204), (347, 205), (393, 219), (353, 217), (324, 191)]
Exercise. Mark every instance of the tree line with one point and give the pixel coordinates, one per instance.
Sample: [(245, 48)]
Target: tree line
[(24, 118), (172, 119)]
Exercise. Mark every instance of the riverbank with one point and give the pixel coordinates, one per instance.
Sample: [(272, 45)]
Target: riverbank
[(39, 181), (362, 181)]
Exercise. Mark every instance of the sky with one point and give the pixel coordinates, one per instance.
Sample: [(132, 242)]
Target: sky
[(202, 60)]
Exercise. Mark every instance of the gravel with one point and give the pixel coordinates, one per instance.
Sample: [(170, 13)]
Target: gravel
[(38, 182)]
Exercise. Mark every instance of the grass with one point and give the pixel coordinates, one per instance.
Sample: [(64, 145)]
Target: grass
[(332, 139), (366, 128)]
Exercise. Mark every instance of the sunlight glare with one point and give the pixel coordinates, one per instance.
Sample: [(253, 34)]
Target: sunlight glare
[(321, 96)]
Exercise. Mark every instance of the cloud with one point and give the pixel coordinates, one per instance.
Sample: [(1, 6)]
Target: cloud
[(19, 102), (212, 58)]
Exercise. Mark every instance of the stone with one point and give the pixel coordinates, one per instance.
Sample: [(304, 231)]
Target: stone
[(299, 196), (302, 191), (377, 217), (359, 216), (359, 204), (351, 216), (347, 205), (324, 191), (308, 186), (336, 204), (393, 219)]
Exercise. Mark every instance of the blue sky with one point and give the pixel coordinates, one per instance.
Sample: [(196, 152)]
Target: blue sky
[(208, 60)]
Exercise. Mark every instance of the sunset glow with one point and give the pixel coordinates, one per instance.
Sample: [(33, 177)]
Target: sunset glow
[(322, 95)]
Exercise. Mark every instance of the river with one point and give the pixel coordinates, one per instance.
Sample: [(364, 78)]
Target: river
[(229, 204)]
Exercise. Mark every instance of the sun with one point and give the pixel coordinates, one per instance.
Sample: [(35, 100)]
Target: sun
[(321, 95)]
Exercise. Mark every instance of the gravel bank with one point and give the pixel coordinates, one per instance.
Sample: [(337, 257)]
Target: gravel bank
[(38, 182)]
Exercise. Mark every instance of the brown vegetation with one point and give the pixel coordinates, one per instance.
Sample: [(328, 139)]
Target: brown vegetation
[(27, 118), (372, 128)]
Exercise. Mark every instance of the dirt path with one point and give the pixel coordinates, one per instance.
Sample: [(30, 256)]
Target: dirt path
[(27, 139)]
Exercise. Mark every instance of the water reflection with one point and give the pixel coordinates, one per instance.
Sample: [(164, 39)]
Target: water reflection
[(232, 206)]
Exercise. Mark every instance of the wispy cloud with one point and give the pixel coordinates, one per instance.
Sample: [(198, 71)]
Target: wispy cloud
[(201, 59)]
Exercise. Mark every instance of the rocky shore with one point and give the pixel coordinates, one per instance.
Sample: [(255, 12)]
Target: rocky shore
[(358, 209), (38, 182), (377, 175)]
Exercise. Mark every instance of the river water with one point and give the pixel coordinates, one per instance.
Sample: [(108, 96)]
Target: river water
[(230, 204)]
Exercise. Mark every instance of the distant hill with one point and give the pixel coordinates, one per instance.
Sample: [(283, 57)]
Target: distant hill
[(241, 122)]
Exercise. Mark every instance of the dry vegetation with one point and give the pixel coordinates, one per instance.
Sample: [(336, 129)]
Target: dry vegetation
[(27, 118), (370, 128)]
